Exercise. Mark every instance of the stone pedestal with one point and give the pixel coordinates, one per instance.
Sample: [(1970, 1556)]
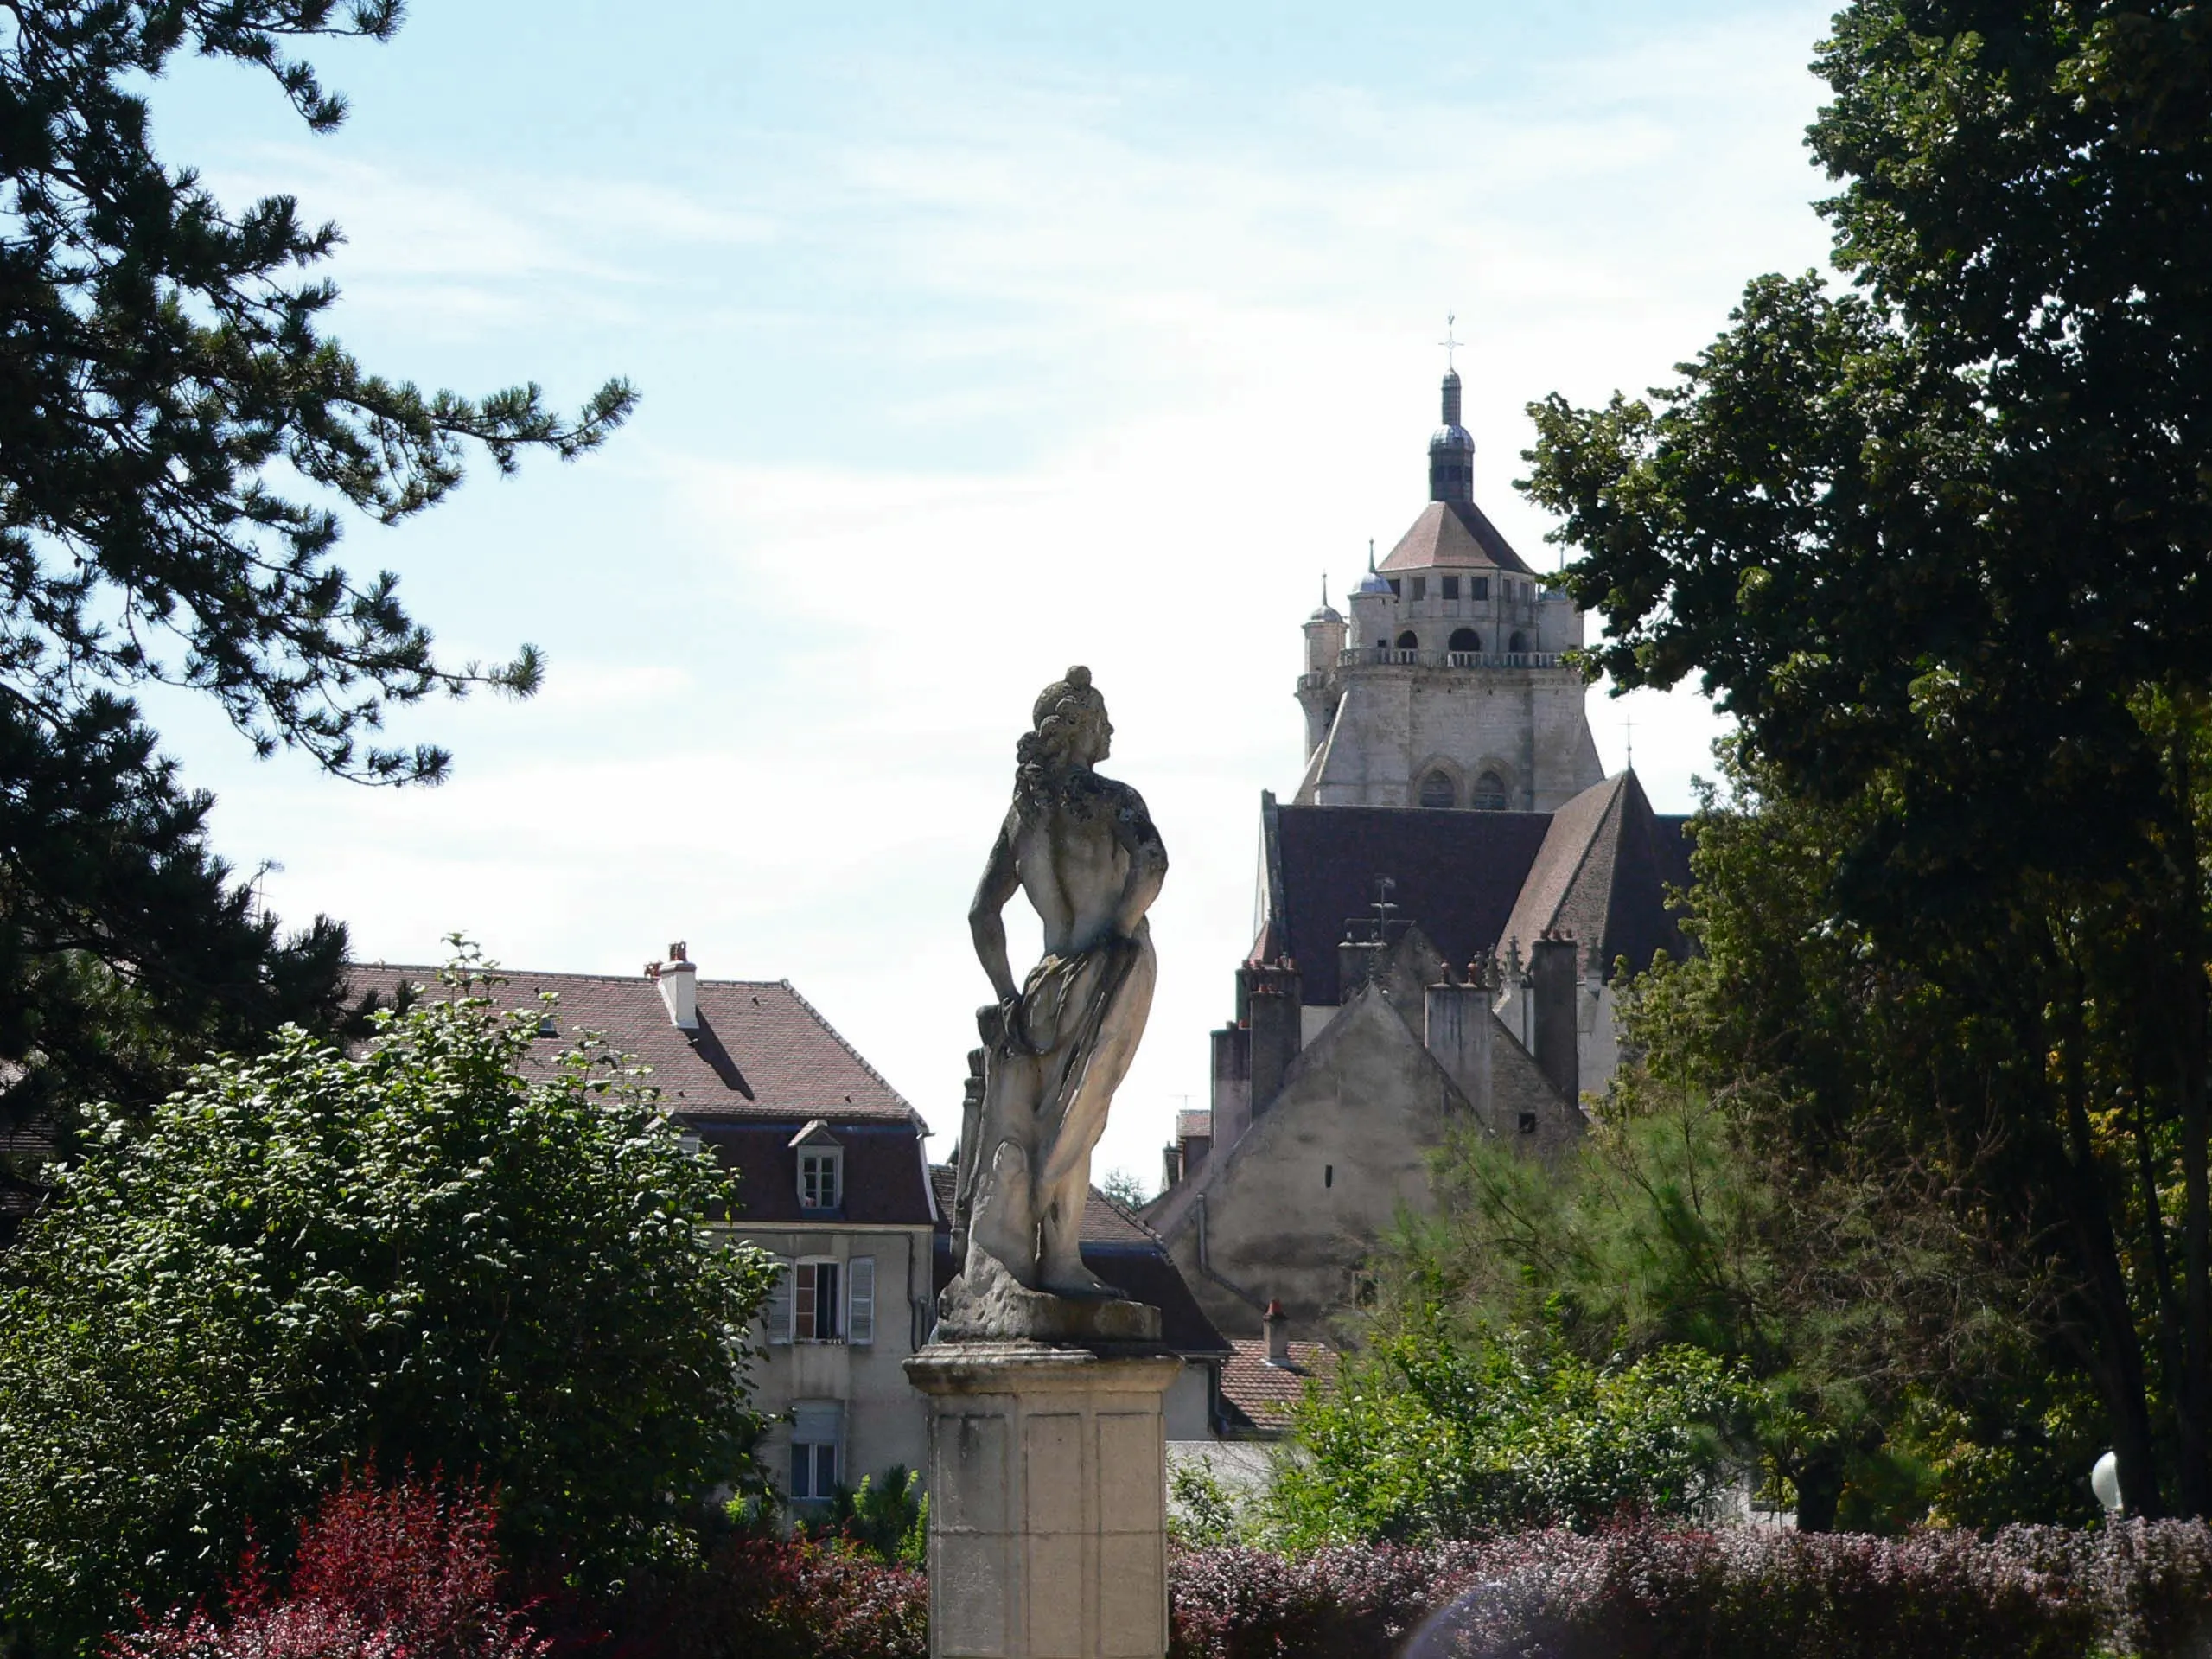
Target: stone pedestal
[(1048, 1502)]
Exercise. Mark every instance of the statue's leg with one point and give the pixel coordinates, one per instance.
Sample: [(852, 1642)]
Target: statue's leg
[(1065, 1187)]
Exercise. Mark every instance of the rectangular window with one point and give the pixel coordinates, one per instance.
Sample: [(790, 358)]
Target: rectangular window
[(1451, 587), (1528, 1123), (1421, 587), (819, 1171), (1396, 593), (778, 1311), (1478, 587), (816, 1306), (814, 1451), (860, 1301)]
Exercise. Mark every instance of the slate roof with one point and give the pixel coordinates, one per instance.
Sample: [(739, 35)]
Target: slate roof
[(1598, 868), (1257, 1394), (761, 1050), (883, 1185), (1602, 876), (1453, 536), (1458, 874)]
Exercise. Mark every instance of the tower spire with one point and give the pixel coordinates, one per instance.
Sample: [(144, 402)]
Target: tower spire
[(1451, 451)]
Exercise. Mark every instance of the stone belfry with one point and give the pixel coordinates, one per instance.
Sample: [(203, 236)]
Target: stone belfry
[(1446, 688)]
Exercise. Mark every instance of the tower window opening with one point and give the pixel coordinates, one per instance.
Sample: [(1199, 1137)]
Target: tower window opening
[(1329, 1175), (1465, 639), (1396, 591), (1421, 587), (1451, 587), (1489, 794), (1518, 642), (1437, 790), (1409, 640), (1478, 587)]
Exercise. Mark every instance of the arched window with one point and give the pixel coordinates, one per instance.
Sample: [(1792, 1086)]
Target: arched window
[(1489, 794), (1437, 790), (1408, 641), (1518, 642), (1465, 639)]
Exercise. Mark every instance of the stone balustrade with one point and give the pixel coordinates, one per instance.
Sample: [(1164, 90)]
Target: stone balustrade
[(1400, 657)]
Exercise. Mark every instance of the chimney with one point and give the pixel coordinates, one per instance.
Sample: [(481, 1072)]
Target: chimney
[(678, 979), (1277, 1323), (1231, 1096), (1273, 997), (1555, 975), (1455, 1028)]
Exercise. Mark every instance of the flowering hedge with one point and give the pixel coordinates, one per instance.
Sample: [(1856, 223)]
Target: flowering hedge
[(1650, 1592)]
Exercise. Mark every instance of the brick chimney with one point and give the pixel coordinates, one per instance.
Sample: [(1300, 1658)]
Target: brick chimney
[(1277, 1323), (678, 979)]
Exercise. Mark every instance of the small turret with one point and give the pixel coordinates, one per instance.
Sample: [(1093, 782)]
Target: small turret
[(1324, 634), (1451, 451)]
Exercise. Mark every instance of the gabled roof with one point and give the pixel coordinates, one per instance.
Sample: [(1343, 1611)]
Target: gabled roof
[(1453, 536), (1601, 874), (1258, 1393), (1458, 875), (761, 1050)]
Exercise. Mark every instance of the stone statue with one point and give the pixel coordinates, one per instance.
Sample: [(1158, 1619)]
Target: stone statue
[(1083, 849)]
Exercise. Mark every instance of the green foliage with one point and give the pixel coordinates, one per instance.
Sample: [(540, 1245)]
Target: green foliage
[(1203, 1513), (1938, 546), (888, 1518), (1438, 1433), (178, 440), (459, 1250), (1125, 1188)]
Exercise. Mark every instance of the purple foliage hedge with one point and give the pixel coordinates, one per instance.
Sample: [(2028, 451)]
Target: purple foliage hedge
[(2144, 1589)]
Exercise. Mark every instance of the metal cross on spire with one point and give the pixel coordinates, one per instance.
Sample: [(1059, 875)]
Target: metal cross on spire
[(1629, 729), (1449, 344)]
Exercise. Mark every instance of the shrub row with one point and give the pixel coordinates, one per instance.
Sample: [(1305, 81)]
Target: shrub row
[(409, 1573), (2143, 1589)]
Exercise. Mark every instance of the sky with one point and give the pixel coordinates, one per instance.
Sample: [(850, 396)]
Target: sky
[(974, 340)]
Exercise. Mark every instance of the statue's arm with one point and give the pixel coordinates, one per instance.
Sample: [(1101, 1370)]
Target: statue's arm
[(1148, 860), (986, 922)]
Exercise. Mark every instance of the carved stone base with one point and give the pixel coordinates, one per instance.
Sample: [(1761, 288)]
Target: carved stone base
[(1047, 1503), (986, 1303)]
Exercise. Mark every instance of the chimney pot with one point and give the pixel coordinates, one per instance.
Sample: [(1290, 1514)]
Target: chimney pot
[(1278, 1326)]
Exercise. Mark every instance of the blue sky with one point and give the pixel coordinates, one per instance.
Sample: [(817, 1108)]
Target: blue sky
[(974, 340)]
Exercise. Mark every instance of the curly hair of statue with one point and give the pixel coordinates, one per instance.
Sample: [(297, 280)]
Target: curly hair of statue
[(1041, 760)]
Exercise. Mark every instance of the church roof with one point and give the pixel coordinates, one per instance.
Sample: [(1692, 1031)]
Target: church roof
[(1601, 874), (1472, 880), (1453, 535)]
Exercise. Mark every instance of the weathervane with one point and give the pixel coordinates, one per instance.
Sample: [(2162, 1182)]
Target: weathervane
[(1448, 342)]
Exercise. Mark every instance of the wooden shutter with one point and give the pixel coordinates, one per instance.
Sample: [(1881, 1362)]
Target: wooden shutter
[(802, 1326), (860, 1301), (779, 1306)]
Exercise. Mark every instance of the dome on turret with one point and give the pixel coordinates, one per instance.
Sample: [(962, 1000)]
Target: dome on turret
[(1452, 450), (1326, 614)]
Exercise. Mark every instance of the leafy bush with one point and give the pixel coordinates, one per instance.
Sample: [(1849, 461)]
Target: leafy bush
[(760, 1598), (421, 1252), (397, 1573), (888, 1518), (1431, 1435)]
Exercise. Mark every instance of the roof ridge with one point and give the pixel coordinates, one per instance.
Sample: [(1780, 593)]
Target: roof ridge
[(502, 971), (859, 1058)]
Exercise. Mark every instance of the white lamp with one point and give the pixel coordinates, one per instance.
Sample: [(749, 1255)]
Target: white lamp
[(2104, 1481)]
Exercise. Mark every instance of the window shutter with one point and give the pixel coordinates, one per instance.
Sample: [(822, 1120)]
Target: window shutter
[(778, 1311), (860, 1316)]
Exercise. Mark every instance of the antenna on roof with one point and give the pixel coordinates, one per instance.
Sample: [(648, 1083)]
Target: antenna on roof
[(1384, 887)]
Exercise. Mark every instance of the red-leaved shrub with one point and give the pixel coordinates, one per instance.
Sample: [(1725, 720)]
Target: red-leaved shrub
[(770, 1599), (403, 1571)]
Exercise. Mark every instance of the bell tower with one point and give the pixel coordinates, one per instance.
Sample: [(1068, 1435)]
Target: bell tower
[(1447, 687)]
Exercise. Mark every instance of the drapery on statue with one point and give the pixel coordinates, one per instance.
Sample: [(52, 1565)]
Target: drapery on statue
[(1082, 847)]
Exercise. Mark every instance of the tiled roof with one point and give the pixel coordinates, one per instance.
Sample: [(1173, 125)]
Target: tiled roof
[(1453, 535), (761, 1049), (1458, 874), (1262, 1392), (34, 1139), (1187, 1124)]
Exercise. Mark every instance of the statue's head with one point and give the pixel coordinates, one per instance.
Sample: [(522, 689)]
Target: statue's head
[(1068, 726)]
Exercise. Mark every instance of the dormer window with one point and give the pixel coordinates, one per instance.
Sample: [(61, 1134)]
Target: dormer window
[(821, 1167)]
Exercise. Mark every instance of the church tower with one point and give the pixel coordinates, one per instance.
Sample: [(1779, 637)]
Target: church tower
[(1446, 688)]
